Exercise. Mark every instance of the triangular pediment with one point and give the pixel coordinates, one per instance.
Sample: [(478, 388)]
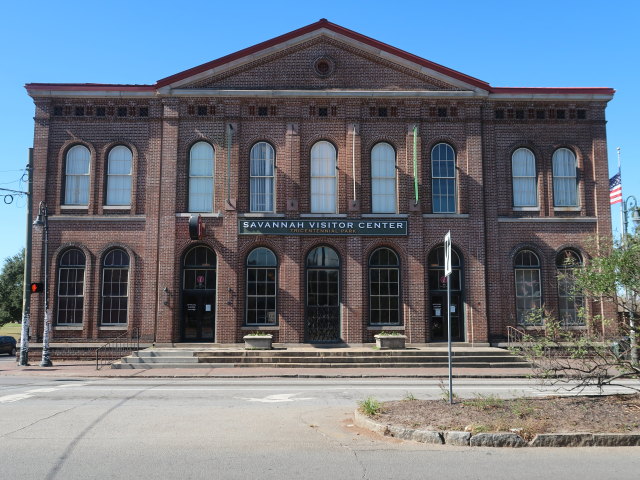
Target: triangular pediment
[(322, 56), (321, 63)]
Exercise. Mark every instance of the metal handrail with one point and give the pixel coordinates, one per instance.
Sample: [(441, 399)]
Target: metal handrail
[(117, 348), (514, 335)]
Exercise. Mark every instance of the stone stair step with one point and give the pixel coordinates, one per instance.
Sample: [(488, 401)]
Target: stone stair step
[(485, 357)]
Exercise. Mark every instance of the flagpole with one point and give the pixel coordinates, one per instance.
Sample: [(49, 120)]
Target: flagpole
[(622, 223)]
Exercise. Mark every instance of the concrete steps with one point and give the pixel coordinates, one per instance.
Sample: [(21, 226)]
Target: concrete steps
[(305, 357)]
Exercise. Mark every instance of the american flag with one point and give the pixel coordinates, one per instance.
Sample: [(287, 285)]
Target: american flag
[(615, 189)]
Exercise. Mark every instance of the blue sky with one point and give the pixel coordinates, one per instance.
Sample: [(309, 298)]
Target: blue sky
[(514, 43)]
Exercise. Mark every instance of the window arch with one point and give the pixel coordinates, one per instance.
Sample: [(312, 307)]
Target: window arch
[(115, 287), (262, 171), (565, 178), (201, 168), (443, 178), (200, 269), (384, 287), (525, 181), (76, 183), (119, 176), (383, 179), (323, 178), (528, 288), (71, 268), (262, 287), (570, 302)]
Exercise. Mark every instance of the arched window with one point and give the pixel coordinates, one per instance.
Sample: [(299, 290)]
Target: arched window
[(262, 287), (201, 168), (115, 287), (384, 287), (565, 185), (443, 178), (383, 179), (262, 177), (528, 289), (76, 184), (438, 294), (71, 287), (570, 302), (119, 176), (525, 185), (323, 178)]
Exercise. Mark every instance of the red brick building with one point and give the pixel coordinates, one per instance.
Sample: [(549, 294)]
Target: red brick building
[(324, 169)]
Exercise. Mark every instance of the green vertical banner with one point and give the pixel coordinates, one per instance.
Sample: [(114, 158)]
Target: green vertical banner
[(415, 162)]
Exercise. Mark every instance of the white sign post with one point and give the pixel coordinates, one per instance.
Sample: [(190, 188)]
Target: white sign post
[(447, 274)]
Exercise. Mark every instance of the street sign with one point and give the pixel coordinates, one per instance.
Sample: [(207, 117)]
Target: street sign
[(447, 254), (447, 272)]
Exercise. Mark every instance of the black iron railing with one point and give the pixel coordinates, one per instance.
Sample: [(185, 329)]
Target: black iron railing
[(119, 347)]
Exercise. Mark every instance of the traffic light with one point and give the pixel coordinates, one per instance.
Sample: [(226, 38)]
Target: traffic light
[(36, 287)]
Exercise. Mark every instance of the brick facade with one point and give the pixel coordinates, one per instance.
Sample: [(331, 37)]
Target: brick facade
[(274, 93)]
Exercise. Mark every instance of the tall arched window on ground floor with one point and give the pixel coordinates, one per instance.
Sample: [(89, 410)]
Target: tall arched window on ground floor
[(262, 287), (71, 267), (115, 288), (384, 287), (570, 301), (526, 266)]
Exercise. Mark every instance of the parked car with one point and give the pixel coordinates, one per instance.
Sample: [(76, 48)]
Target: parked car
[(8, 345)]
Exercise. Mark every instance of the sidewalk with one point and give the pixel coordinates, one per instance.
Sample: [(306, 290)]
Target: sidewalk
[(87, 369)]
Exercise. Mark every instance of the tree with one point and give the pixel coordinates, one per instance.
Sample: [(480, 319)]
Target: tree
[(585, 356), (11, 287)]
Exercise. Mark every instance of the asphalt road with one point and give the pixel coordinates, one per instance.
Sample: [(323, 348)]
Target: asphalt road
[(245, 429)]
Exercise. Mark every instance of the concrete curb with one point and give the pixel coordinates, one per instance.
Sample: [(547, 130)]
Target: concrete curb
[(497, 439)]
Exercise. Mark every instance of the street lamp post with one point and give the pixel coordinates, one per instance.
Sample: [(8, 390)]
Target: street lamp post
[(630, 205), (42, 222)]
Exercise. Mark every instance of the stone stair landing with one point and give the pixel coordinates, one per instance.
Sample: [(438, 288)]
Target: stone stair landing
[(322, 357)]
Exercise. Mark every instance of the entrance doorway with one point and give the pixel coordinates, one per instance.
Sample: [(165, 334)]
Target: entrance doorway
[(322, 310), (199, 295), (438, 297)]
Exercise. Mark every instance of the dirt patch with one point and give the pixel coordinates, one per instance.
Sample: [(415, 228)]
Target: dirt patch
[(525, 416)]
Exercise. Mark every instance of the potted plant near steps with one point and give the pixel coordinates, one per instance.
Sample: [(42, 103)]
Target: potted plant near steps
[(258, 341), (390, 340)]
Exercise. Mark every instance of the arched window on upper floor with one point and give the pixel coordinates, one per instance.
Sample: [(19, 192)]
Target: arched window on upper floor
[(383, 179), (119, 176), (262, 172), (443, 178), (323, 178), (525, 181), (201, 168), (77, 169), (565, 178)]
